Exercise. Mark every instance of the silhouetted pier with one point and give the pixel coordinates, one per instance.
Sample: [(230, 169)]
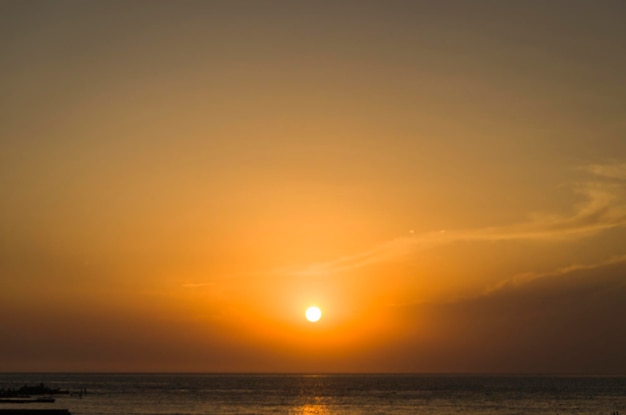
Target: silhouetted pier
[(34, 412)]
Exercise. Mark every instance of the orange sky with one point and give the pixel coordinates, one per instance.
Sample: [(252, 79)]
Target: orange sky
[(179, 181)]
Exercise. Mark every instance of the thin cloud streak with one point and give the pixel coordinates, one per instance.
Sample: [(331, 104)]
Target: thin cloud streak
[(603, 209), (199, 284), (521, 279), (610, 171)]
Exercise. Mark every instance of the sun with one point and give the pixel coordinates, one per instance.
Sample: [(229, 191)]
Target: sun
[(313, 314)]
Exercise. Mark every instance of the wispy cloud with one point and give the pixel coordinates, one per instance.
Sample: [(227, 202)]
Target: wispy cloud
[(610, 171), (525, 278), (603, 208), (199, 284)]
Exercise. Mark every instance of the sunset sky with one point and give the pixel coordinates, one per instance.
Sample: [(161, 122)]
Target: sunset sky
[(445, 180)]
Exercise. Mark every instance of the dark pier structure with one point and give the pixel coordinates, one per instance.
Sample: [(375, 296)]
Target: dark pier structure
[(34, 412), (32, 395)]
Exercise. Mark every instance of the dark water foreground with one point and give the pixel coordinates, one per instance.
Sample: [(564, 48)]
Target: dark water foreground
[(203, 394)]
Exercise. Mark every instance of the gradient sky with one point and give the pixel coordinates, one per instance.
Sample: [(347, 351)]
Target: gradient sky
[(446, 180)]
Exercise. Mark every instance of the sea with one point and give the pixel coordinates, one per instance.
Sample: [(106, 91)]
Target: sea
[(326, 394)]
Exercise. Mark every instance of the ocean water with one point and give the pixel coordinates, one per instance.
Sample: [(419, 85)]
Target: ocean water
[(204, 394)]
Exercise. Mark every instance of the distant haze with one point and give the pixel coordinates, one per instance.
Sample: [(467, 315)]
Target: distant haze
[(445, 180)]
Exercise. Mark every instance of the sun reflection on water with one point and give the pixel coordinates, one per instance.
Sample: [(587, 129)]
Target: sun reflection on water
[(311, 409)]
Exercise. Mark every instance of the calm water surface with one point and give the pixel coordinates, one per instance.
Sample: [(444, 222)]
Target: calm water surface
[(196, 394)]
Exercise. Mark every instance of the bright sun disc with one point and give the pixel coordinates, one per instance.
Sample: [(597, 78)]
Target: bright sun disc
[(313, 314)]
